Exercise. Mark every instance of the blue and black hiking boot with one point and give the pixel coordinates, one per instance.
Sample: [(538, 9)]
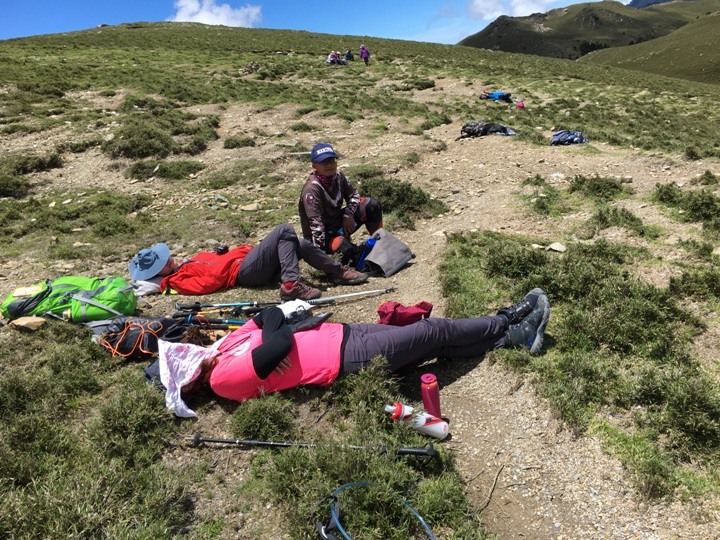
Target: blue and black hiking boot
[(516, 313), (531, 331)]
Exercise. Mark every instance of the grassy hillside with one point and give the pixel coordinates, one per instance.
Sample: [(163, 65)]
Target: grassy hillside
[(113, 136), (192, 64), (691, 52), (578, 29)]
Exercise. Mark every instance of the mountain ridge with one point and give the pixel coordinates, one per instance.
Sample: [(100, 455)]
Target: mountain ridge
[(576, 30)]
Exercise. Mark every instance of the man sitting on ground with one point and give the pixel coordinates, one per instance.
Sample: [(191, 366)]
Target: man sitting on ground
[(324, 220), (244, 266)]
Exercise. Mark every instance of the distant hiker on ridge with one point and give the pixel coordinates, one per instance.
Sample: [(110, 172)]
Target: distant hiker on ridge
[(365, 54)]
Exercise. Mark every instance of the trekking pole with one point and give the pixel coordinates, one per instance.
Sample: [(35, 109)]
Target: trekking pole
[(329, 300), (255, 306), (197, 306), (425, 451), (216, 326), (333, 299), (200, 320)]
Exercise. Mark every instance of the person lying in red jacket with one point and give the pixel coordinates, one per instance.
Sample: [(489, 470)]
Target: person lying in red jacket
[(243, 266)]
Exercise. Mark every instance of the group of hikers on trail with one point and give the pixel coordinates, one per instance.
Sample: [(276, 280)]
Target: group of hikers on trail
[(264, 355), (338, 58)]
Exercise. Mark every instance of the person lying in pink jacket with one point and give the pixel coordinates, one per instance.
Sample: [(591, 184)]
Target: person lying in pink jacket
[(265, 356)]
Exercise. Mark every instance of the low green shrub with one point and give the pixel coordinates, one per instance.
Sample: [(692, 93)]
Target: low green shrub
[(78, 147), (362, 172), (611, 216), (701, 283), (546, 200), (413, 158), (361, 445), (270, 418), (18, 164), (614, 342), (303, 127), (103, 213), (418, 84), (692, 154), (697, 205), (402, 199), (706, 179), (138, 140), (238, 142), (13, 186), (701, 250), (434, 120), (600, 188)]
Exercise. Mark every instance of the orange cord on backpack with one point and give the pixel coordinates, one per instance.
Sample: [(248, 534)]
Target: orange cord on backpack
[(137, 346)]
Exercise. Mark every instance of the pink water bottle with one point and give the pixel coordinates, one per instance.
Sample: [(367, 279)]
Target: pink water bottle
[(430, 391)]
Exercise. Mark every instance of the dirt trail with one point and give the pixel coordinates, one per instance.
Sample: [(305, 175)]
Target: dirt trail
[(536, 480)]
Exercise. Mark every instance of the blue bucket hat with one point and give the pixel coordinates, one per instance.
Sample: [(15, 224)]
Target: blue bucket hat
[(321, 152), (149, 261)]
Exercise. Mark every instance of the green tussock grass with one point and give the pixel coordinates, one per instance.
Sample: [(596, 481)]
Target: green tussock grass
[(691, 205), (546, 200), (402, 199)]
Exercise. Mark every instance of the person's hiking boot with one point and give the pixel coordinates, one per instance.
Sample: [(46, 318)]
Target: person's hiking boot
[(299, 291), (516, 313), (348, 276), (531, 331)]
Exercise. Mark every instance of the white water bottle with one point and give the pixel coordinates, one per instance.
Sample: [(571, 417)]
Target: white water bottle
[(424, 422), (430, 425)]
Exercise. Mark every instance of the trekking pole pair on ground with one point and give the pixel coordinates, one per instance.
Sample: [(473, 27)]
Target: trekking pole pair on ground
[(197, 440), (252, 307), (195, 313)]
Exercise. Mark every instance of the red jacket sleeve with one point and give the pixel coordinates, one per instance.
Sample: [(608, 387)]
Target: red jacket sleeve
[(207, 272)]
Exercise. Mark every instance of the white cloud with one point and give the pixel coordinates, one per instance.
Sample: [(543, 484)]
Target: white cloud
[(491, 9), (208, 12), (521, 8), (486, 10)]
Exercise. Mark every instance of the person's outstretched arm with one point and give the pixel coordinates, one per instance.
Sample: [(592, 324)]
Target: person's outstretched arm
[(277, 341)]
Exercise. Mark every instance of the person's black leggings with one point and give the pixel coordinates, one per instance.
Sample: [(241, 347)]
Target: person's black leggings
[(423, 340)]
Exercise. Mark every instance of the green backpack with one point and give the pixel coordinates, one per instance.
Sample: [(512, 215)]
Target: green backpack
[(72, 298)]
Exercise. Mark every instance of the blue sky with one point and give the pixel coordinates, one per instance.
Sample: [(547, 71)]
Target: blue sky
[(439, 21)]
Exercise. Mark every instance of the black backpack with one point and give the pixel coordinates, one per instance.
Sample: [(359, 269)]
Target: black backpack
[(473, 129), (137, 337), (480, 129), (565, 137)]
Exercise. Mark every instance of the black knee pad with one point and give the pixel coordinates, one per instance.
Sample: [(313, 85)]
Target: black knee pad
[(373, 210), (373, 214)]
